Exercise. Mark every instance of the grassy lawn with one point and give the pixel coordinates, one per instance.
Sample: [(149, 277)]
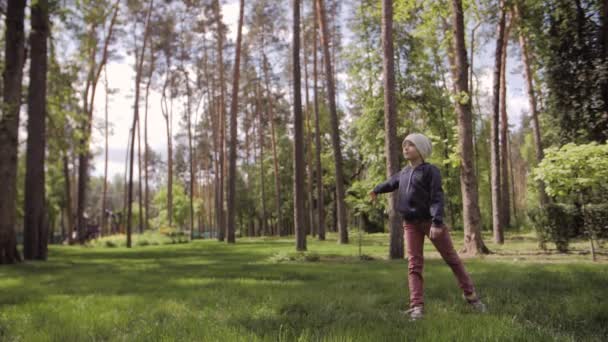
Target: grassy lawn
[(209, 291)]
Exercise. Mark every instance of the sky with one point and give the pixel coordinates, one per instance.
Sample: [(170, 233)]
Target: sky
[(120, 113)]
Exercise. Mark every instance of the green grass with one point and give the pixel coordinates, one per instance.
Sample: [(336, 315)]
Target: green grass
[(260, 290)]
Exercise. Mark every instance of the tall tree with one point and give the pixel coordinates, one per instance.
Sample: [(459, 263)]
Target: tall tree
[(94, 69), (14, 55), (299, 166), (151, 67), (168, 91), (391, 145), (139, 59), (473, 243), (504, 140), (318, 146), (106, 152), (273, 140), (497, 218), (529, 77), (261, 120), (222, 113), (233, 126), (35, 223), (335, 124)]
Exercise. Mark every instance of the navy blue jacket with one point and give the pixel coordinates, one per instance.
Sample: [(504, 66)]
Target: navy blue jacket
[(420, 195)]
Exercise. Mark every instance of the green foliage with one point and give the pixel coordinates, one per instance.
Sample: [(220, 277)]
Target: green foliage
[(557, 223), (596, 220), (148, 238), (297, 256), (575, 172), (181, 206)]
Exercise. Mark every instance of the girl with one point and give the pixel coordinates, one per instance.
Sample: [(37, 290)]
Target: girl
[(420, 203)]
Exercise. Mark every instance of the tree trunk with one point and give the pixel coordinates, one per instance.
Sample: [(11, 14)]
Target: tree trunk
[(139, 60), (104, 231), (497, 222), (318, 146), (529, 76), (89, 103), (335, 125), (275, 157), (603, 39), (391, 145), (298, 165), (139, 182), (190, 151), (146, 146), (261, 133), (233, 127), (504, 128), (14, 55), (473, 243), (35, 226), (68, 196), (220, 62), (168, 115), (309, 216)]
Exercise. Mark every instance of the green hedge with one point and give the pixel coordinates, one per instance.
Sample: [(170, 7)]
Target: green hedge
[(559, 223), (596, 219), (556, 223)]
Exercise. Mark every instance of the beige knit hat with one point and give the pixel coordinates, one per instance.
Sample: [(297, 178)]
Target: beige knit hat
[(422, 143)]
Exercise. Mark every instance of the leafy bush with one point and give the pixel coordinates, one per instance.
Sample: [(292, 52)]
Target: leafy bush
[(557, 223), (297, 256), (596, 219), (575, 172), (148, 238)]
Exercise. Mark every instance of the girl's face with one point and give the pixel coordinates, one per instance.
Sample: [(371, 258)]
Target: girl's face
[(409, 151)]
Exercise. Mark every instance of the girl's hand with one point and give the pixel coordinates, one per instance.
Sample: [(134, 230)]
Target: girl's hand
[(373, 195)]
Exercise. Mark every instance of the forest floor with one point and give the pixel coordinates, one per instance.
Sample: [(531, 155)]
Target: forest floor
[(260, 290)]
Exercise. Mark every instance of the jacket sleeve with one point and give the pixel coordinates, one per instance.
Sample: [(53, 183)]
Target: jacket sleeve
[(389, 185), (436, 198)]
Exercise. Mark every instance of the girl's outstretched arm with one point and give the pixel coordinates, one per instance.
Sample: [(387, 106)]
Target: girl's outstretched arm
[(389, 185)]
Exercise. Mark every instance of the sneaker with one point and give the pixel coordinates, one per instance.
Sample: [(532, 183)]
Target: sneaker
[(415, 313), (475, 303)]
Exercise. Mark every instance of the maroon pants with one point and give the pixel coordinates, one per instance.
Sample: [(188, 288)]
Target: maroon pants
[(414, 233)]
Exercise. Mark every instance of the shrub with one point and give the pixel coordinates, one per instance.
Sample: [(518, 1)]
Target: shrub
[(558, 223), (596, 220)]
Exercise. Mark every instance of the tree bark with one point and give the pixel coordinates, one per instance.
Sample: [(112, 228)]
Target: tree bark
[(299, 166), (473, 243), (318, 147), (391, 145), (168, 115), (335, 125), (139, 59), (146, 146), (497, 222), (140, 196), (103, 227), (89, 103), (310, 227), (220, 62), (190, 150), (230, 232), (258, 110), (35, 234), (14, 55), (68, 196), (504, 131), (275, 157), (529, 76)]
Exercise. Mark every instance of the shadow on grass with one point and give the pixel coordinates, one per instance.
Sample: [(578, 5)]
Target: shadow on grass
[(265, 298)]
